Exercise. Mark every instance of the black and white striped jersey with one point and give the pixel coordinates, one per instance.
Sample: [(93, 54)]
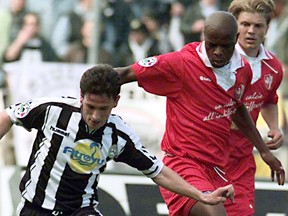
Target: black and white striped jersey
[(66, 159)]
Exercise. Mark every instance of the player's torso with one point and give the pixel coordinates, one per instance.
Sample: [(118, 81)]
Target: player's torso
[(66, 158), (67, 139), (265, 82), (199, 116)]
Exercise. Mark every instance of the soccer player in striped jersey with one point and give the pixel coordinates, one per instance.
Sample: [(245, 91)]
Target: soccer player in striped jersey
[(75, 140), (203, 83), (253, 18)]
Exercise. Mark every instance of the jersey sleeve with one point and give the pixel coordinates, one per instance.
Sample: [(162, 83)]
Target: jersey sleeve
[(275, 66), (137, 156), (273, 96), (161, 75), (29, 114), (133, 153)]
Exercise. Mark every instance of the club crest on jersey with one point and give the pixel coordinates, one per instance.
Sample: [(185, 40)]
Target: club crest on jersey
[(268, 79), (23, 109), (148, 62), (112, 151), (239, 91), (84, 156)]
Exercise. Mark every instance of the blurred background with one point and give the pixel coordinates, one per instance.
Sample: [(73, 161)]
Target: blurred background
[(46, 45)]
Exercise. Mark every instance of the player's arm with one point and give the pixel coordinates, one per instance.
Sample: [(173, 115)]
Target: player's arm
[(270, 115), (171, 181), (245, 123), (127, 74), (5, 123)]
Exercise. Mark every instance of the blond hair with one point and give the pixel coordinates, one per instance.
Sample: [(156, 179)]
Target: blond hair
[(266, 7)]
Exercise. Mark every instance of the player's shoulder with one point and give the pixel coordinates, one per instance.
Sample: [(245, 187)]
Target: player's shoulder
[(273, 63), (117, 121), (119, 124), (188, 53), (50, 101), (273, 58)]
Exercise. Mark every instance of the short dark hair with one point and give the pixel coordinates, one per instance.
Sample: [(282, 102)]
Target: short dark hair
[(101, 79)]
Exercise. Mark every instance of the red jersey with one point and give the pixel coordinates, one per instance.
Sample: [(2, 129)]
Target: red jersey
[(200, 100), (267, 76)]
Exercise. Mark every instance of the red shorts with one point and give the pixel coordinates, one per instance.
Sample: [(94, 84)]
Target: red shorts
[(203, 177), (241, 172)]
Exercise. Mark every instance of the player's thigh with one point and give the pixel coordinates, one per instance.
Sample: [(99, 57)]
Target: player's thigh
[(201, 209)]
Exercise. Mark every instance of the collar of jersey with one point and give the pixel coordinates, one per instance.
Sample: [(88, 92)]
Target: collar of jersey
[(235, 61), (263, 53)]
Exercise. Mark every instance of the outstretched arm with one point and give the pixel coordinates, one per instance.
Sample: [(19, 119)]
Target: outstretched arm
[(127, 74), (170, 180), (245, 123), (270, 115)]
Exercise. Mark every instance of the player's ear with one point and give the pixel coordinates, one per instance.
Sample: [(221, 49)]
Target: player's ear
[(81, 96), (116, 100), (237, 36)]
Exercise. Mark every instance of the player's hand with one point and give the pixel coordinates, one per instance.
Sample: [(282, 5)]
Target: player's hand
[(280, 175), (275, 166), (277, 139), (220, 195)]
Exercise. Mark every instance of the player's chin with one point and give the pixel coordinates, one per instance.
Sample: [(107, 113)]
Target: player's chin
[(95, 125), (218, 64)]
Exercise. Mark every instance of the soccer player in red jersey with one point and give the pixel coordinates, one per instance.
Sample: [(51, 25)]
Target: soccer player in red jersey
[(203, 83), (253, 18)]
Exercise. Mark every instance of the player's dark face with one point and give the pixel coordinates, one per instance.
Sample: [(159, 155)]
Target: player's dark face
[(96, 109), (219, 48)]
